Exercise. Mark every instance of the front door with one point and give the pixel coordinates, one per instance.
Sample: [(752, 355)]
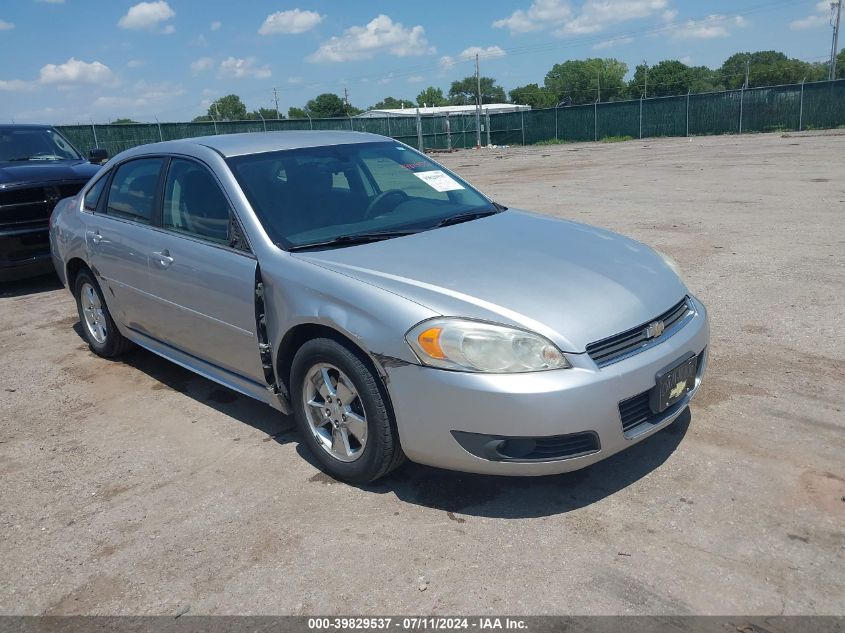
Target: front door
[(202, 280), (118, 238)]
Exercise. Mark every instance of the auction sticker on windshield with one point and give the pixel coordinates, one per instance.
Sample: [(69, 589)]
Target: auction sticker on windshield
[(438, 181)]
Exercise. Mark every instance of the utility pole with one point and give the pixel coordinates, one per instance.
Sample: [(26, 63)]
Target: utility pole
[(217, 110), (477, 104), (834, 49), (747, 70), (276, 99), (346, 100)]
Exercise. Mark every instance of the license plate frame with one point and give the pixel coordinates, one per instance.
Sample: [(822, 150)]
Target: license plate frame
[(673, 382)]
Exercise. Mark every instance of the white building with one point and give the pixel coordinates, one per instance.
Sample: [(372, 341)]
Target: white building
[(451, 110)]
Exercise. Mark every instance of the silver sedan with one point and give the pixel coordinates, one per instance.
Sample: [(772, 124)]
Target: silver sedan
[(389, 306)]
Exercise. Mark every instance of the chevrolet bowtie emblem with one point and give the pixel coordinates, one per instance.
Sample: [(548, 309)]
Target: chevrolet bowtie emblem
[(654, 329)]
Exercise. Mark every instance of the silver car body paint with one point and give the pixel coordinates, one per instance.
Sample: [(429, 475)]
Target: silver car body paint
[(572, 283)]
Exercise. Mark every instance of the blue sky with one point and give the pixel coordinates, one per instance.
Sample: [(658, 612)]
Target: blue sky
[(82, 60)]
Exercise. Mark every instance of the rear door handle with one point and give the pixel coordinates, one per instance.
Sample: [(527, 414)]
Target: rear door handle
[(95, 236), (163, 258)]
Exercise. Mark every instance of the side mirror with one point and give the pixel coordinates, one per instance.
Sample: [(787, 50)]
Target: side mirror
[(98, 155)]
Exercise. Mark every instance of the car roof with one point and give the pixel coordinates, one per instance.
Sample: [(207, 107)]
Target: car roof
[(24, 126), (230, 145)]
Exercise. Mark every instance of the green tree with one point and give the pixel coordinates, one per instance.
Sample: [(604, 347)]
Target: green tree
[(840, 65), (265, 113), (325, 106), (391, 103), (532, 95), (228, 108), (123, 121), (463, 91), (431, 97), (584, 80), (669, 77), (767, 68), (297, 113)]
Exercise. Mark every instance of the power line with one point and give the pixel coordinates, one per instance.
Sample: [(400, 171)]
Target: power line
[(837, 8)]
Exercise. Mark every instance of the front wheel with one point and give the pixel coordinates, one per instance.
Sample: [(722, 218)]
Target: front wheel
[(342, 412), (98, 327)]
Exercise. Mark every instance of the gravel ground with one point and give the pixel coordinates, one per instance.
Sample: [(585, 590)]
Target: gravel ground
[(135, 487)]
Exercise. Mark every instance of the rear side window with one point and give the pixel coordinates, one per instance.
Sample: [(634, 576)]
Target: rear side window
[(194, 203), (133, 189), (94, 193)]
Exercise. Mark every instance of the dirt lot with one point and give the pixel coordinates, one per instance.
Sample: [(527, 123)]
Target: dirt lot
[(137, 487)]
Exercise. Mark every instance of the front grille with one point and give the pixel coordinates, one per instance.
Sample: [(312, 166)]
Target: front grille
[(27, 207), (560, 446), (637, 410), (615, 348)]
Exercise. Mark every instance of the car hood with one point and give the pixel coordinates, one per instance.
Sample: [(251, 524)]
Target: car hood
[(34, 172), (573, 283)]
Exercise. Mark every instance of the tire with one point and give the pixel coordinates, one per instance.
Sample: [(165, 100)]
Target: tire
[(371, 448), (99, 330)]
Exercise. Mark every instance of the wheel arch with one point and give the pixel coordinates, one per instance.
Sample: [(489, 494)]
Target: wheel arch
[(301, 333), (72, 268)]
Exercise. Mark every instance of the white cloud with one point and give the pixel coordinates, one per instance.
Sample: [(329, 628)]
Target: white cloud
[(711, 27), (380, 35), (235, 68), (618, 41), (16, 85), (483, 53), (76, 71), (820, 17), (6, 26), (147, 16), (296, 79), (290, 22), (201, 65), (669, 15), (141, 96), (215, 26), (538, 16), (593, 16)]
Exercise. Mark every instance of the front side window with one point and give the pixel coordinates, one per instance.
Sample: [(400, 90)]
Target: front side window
[(194, 203), (133, 189), (94, 193), (319, 194)]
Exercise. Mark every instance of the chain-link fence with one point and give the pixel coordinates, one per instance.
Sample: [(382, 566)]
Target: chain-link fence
[(817, 105)]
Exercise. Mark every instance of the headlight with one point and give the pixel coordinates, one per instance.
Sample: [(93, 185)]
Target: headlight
[(671, 263), (476, 346)]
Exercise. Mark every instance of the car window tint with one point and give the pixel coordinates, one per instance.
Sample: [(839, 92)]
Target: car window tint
[(194, 203), (94, 193), (133, 188)]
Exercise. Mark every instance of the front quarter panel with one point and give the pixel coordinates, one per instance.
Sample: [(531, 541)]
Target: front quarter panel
[(298, 292), (67, 235)]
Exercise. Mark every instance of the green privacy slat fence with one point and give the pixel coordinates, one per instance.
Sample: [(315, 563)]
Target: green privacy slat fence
[(816, 105)]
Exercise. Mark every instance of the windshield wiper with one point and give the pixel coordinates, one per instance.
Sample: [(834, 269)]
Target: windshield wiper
[(351, 239), (470, 215), (21, 159)]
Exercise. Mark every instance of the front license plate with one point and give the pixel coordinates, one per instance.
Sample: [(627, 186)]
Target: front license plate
[(674, 383)]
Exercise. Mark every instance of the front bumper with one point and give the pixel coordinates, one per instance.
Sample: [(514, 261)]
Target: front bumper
[(24, 253), (431, 403)]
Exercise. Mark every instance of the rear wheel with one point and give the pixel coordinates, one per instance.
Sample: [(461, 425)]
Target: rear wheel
[(342, 412), (98, 327)]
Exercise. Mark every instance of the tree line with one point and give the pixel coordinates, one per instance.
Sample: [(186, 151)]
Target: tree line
[(573, 82)]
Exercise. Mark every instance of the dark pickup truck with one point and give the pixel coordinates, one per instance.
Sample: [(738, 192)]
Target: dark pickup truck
[(38, 167)]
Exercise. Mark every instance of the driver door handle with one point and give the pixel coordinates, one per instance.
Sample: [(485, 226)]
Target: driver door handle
[(163, 258), (95, 236)]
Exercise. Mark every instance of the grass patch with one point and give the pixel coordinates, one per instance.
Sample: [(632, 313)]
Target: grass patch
[(553, 141), (615, 139)]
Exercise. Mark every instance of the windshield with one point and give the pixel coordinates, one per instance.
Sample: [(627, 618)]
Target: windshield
[(23, 144), (323, 194)]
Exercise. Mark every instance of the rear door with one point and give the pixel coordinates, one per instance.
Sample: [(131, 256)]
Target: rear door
[(202, 274), (119, 239)]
